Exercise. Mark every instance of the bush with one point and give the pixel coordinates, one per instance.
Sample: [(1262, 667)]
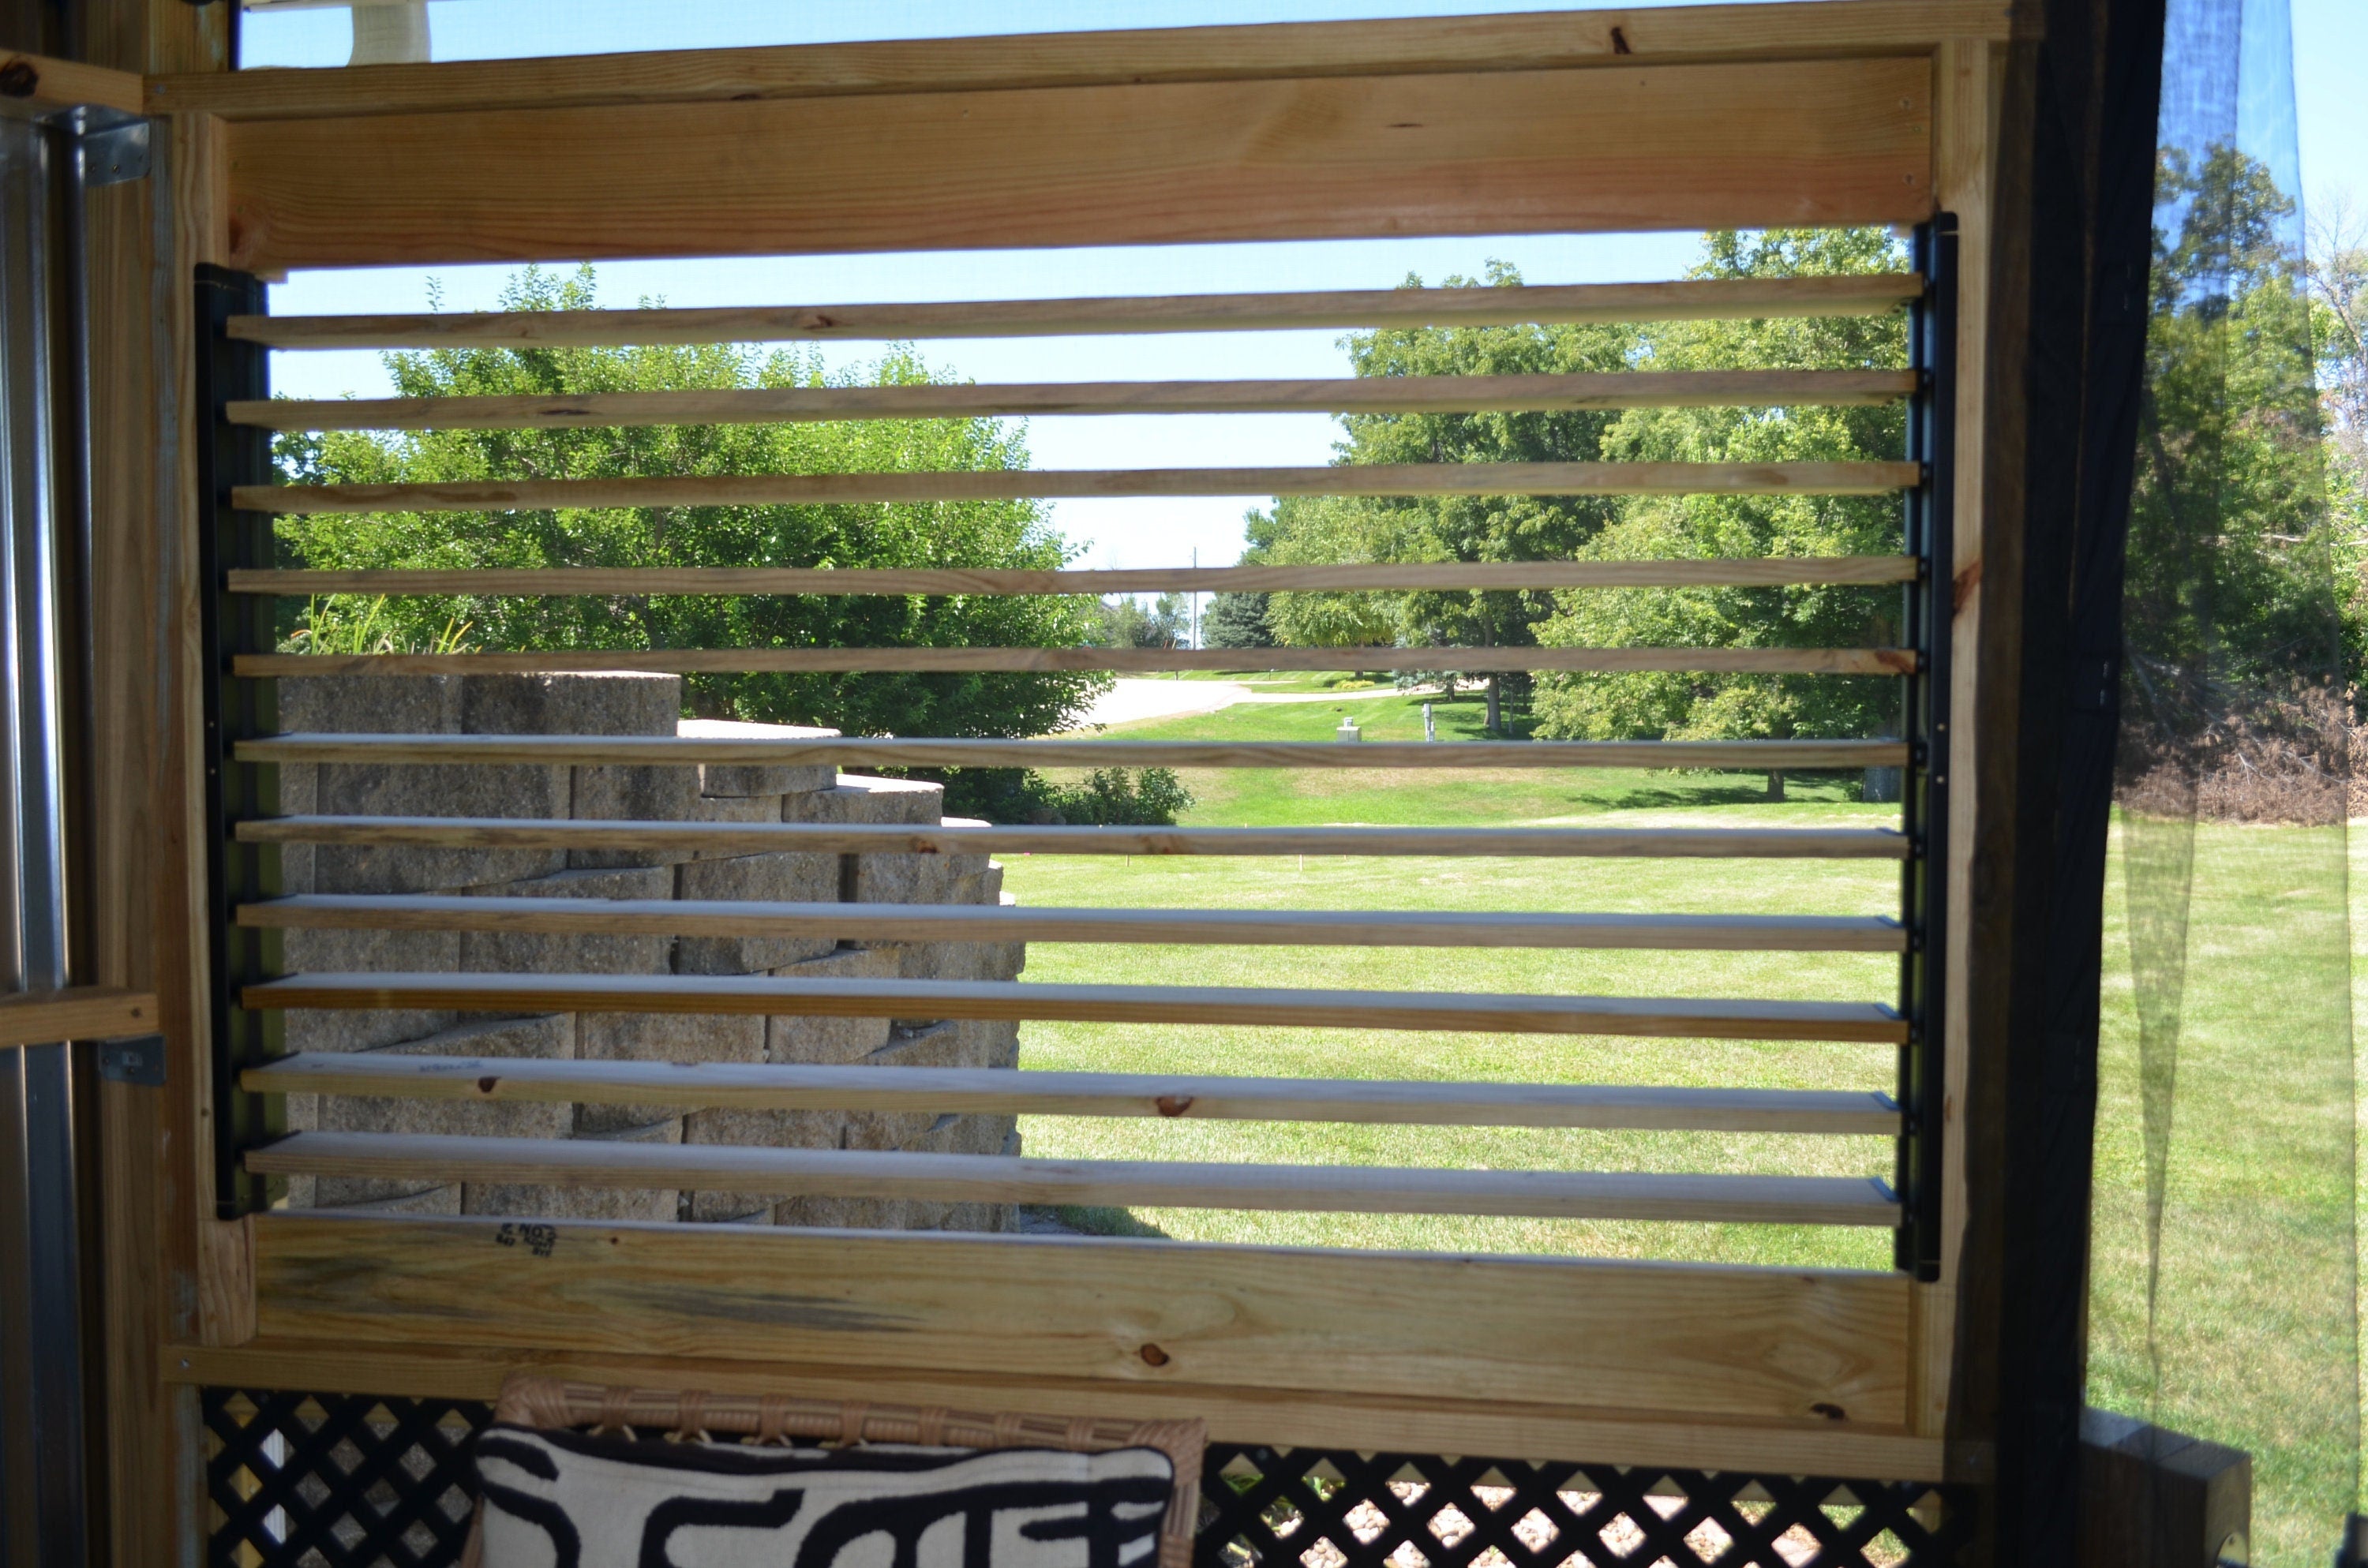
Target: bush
[(1108, 797), (1153, 798)]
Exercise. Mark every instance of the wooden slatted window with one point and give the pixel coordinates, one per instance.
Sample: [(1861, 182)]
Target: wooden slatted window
[(1856, 112)]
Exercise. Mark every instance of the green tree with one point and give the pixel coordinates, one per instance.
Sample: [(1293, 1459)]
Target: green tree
[(2228, 588), (1450, 527), (1307, 530), (1126, 624), (1690, 706), (2338, 280), (948, 534), (1236, 620)]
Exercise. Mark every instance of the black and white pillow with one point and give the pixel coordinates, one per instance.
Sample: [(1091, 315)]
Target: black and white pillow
[(560, 1499)]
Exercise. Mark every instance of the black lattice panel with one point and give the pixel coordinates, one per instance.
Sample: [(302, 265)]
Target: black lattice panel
[(328, 1481), (1300, 1509)]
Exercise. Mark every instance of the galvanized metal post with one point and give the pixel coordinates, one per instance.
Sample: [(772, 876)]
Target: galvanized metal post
[(41, 1433), (46, 1206)]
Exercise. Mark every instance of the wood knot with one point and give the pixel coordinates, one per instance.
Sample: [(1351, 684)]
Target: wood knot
[(1620, 42), (486, 1084), (19, 78), (1962, 586), (1830, 1412), (1153, 1356), (1173, 1105)]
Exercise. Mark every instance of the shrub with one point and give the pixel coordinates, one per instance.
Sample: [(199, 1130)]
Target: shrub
[(1108, 797)]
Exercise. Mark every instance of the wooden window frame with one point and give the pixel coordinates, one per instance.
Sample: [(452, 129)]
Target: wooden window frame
[(1841, 111)]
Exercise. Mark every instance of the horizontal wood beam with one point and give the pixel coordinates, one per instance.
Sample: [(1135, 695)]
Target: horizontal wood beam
[(1712, 298), (1623, 149), (80, 1012), (998, 1179), (35, 87), (1020, 923), (1363, 395), (691, 661), (867, 838), (1472, 1012), (1430, 576), (1002, 1092), (1432, 1424), (842, 751), (989, 484), (1824, 1348), (1570, 40)]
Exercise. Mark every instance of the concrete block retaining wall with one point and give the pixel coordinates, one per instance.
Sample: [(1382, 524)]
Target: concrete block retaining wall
[(624, 704)]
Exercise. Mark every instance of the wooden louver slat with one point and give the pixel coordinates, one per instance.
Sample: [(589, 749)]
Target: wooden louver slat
[(499, 581), (1016, 922), (842, 838), (1693, 300), (1372, 394), (683, 751), (995, 484), (938, 1090), (1473, 1012), (691, 661), (987, 1179)]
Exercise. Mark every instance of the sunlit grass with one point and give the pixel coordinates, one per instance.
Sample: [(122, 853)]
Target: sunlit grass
[(1493, 797), (2253, 1319), (1274, 797)]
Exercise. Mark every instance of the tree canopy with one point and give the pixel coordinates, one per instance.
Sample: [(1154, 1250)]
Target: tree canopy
[(1237, 621), (1125, 623), (1511, 529), (1691, 706), (2229, 584), (943, 534)]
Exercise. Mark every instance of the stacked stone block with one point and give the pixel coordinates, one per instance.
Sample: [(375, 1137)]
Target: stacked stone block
[(625, 704)]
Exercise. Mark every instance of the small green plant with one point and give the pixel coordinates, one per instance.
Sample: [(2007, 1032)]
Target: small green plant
[(348, 625)]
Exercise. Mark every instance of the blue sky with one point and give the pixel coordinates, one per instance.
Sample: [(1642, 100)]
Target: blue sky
[(2330, 48)]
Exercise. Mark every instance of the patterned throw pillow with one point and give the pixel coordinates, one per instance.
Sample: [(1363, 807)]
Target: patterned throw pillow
[(560, 1499)]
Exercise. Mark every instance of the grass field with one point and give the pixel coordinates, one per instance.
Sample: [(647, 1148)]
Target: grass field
[(1263, 796), (2253, 1301), (1506, 797), (2254, 1304)]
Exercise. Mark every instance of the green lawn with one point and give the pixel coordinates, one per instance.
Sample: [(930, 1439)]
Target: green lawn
[(1284, 682), (2253, 1315), (1394, 717), (2252, 1304), (1247, 797), (1263, 797)]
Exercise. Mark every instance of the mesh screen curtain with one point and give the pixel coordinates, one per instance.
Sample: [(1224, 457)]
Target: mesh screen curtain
[(2224, 1249)]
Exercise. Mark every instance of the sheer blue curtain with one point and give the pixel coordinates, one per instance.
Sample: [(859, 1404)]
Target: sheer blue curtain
[(2224, 1249)]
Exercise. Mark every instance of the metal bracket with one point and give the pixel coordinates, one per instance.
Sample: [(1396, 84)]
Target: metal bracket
[(134, 1059), (111, 154), (1927, 610)]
